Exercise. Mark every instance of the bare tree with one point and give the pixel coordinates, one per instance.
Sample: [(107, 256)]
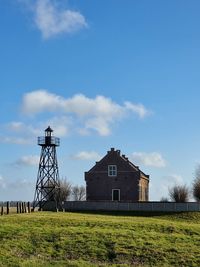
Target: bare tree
[(59, 193), (64, 190), (196, 185), (179, 193), (78, 193), (164, 199)]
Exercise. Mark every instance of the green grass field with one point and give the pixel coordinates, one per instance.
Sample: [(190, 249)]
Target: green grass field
[(81, 239)]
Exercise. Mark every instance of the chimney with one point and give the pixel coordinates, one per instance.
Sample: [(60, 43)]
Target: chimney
[(118, 152), (125, 157)]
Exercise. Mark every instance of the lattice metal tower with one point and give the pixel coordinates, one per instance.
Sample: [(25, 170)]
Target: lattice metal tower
[(47, 185)]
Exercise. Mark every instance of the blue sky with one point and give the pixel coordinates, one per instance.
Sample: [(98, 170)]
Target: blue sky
[(103, 74)]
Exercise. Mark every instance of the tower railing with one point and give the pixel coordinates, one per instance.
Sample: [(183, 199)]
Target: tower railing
[(48, 140)]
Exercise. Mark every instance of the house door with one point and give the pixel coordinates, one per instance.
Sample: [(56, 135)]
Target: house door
[(115, 194)]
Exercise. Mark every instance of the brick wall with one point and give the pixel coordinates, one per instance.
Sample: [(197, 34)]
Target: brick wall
[(99, 186)]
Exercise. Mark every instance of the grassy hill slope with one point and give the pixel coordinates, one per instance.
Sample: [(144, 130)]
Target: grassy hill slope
[(81, 239)]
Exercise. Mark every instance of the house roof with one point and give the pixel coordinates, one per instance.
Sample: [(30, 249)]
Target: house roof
[(117, 153)]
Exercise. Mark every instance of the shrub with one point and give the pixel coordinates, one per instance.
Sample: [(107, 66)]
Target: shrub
[(164, 199), (196, 189), (179, 193)]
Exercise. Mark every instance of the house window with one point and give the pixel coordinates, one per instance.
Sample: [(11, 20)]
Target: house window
[(112, 170), (115, 194)]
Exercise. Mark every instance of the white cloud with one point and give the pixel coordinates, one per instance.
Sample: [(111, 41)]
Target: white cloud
[(15, 140), (153, 159), (16, 126), (17, 132), (20, 184), (25, 137), (97, 114), (159, 187), (20, 127), (78, 114), (169, 181), (174, 179), (61, 125), (52, 19), (139, 109), (41, 100), (2, 182), (20, 189), (86, 155), (99, 124), (31, 160)]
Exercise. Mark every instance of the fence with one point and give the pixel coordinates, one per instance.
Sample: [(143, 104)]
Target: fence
[(19, 207), (23, 207), (129, 206)]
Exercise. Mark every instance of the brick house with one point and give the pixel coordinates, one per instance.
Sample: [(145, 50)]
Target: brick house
[(115, 178)]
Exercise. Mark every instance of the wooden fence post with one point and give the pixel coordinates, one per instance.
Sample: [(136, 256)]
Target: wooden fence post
[(17, 207), (20, 207), (8, 207), (24, 207), (1, 210), (29, 207)]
